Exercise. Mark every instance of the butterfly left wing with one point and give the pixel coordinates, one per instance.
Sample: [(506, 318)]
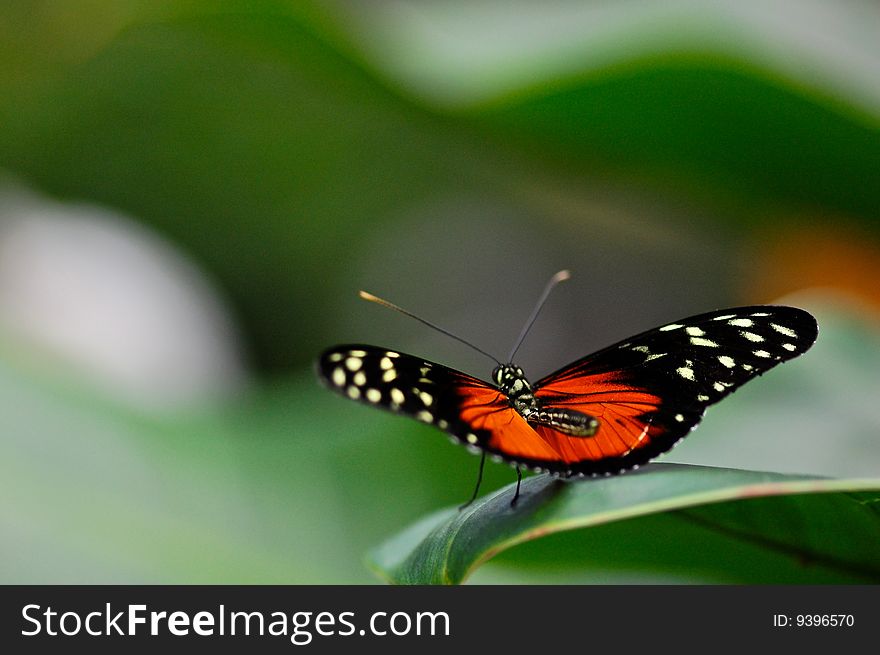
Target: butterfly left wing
[(652, 389), (405, 384)]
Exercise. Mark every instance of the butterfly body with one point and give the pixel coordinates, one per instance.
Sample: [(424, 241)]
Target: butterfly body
[(511, 381), (610, 411)]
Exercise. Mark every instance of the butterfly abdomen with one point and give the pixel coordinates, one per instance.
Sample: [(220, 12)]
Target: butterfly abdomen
[(567, 421)]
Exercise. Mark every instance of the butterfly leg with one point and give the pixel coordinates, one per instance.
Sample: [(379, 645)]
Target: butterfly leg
[(518, 482), (479, 480)]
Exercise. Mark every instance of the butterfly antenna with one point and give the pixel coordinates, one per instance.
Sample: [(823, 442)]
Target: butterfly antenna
[(389, 305), (561, 276)]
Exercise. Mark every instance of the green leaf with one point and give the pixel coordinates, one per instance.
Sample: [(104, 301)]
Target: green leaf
[(822, 529)]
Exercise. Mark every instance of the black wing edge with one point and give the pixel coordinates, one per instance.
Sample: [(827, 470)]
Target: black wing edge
[(799, 319)]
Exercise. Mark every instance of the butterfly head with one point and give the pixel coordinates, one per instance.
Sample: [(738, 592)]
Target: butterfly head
[(511, 379)]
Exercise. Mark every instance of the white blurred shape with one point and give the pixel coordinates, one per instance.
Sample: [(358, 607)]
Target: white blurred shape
[(114, 300), (463, 53)]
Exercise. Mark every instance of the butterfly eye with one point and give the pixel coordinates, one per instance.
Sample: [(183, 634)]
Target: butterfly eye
[(497, 375)]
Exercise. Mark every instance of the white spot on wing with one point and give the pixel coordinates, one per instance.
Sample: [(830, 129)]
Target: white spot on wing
[(338, 376), (789, 347), (357, 353), (724, 318), (694, 331), (671, 326), (658, 356), (702, 398), (385, 363), (359, 379), (698, 341), (641, 349), (784, 330), (374, 395), (353, 363), (335, 357), (397, 396), (751, 336), (727, 361), (644, 432), (741, 322), (679, 417), (472, 438), (761, 353), (760, 314), (424, 416), (685, 372), (426, 398), (391, 353), (718, 387), (353, 392), (389, 375)]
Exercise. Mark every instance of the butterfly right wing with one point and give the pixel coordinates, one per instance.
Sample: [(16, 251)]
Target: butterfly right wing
[(651, 390)]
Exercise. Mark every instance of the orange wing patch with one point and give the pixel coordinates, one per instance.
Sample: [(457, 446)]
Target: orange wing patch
[(486, 409), (626, 417), (622, 429), (635, 425)]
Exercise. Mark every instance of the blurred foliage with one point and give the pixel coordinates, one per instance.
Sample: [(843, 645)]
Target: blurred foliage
[(750, 140), (247, 134), (299, 151)]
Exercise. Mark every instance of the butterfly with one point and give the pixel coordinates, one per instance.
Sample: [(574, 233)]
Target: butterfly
[(603, 414)]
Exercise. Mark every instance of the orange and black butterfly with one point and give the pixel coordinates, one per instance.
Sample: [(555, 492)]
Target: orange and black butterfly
[(603, 414)]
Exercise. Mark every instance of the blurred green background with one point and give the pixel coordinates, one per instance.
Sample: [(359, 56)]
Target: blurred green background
[(191, 194)]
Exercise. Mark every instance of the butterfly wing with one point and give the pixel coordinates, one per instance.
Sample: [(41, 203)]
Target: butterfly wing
[(651, 390), (471, 411), (463, 406)]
